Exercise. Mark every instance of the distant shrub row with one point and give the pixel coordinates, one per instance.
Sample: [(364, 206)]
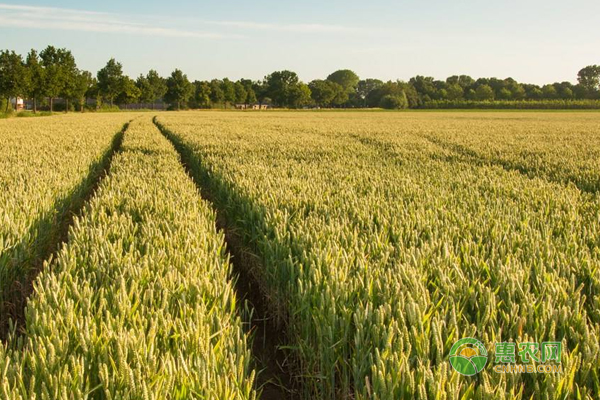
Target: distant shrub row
[(514, 104)]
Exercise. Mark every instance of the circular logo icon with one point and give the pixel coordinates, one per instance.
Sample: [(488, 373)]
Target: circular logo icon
[(468, 356)]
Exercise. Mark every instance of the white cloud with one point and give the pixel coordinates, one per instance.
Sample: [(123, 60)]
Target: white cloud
[(32, 17)]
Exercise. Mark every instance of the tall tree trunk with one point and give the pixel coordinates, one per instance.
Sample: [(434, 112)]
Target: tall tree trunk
[(111, 102), (51, 105), (7, 103), (83, 101), (34, 105), (66, 105)]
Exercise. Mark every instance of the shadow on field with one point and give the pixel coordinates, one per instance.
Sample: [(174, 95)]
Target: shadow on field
[(20, 266), (276, 376), (472, 156)]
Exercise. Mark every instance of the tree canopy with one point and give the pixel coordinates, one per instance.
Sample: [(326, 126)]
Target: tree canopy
[(110, 80), (346, 78), (53, 73), (179, 88), (13, 76), (589, 78)]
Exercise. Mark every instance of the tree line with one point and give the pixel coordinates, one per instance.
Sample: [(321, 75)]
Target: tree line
[(52, 73)]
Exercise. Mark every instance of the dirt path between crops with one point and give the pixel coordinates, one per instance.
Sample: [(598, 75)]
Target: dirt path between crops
[(275, 376), (275, 372), (13, 309)]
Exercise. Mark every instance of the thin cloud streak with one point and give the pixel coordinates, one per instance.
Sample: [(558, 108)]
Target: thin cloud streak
[(32, 17), (102, 28), (299, 28), (49, 10)]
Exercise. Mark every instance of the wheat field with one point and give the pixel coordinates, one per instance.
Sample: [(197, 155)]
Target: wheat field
[(381, 238)]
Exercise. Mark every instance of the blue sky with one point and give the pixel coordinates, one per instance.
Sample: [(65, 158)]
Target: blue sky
[(530, 40)]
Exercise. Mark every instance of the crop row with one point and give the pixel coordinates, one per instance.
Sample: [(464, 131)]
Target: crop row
[(384, 253), (138, 304), (47, 166)]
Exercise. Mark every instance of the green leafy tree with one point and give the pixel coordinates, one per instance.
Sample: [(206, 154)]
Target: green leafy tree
[(146, 90), (285, 89), (84, 82), (464, 81), (299, 95), (260, 89), (36, 87), (251, 97), (504, 94), (110, 80), (228, 88), (566, 93), (93, 92), (202, 93), (579, 91), (533, 92), (454, 92), (549, 92), (425, 88), (497, 84), (394, 102), (395, 89), (484, 92), (410, 92), (341, 95), (179, 88), (517, 91), (158, 85), (130, 93), (69, 75), (240, 93), (323, 92), (53, 73), (589, 78), (13, 76), (346, 78), (481, 81), (441, 88), (364, 87), (217, 96), (279, 84)]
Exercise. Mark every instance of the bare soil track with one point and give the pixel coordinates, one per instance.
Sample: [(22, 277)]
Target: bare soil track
[(275, 371)]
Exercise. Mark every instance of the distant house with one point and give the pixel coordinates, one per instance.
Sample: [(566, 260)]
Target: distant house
[(255, 106), (18, 104)]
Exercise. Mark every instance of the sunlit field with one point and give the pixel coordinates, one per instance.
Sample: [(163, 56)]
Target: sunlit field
[(379, 240)]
